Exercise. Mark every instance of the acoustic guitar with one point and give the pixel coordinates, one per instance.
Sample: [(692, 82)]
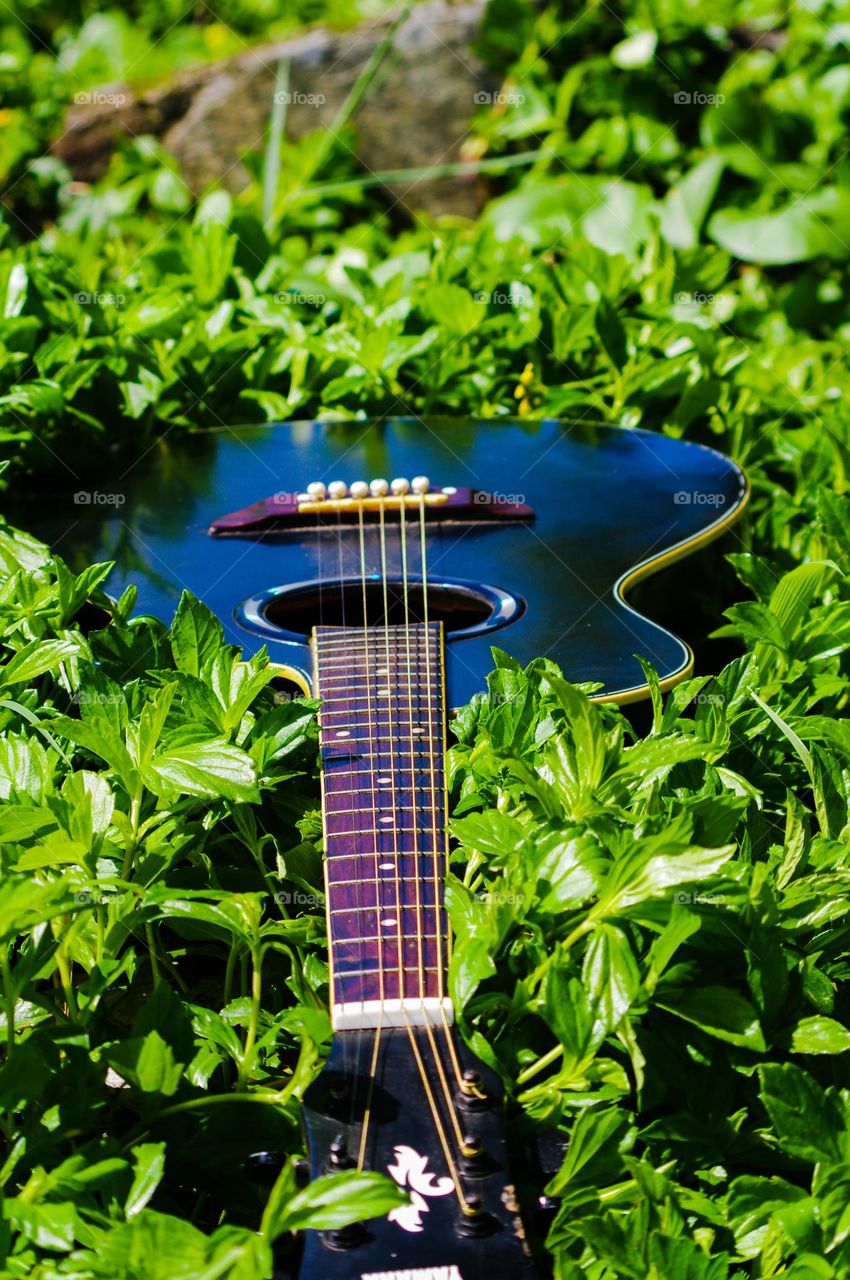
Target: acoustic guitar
[(383, 563)]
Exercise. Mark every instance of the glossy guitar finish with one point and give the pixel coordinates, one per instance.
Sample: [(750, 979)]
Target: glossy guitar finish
[(610, 506)]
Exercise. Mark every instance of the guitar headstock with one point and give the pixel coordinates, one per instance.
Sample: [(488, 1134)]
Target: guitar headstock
[(413, 1103)]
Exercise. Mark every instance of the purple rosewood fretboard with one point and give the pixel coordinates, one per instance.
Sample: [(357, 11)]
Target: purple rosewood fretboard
[(382, 739)]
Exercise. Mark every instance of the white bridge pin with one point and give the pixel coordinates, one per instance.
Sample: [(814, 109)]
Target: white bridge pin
[(316, 491), (420, 484), (337, 489), (379, 488), (400, 486), (359, 489)]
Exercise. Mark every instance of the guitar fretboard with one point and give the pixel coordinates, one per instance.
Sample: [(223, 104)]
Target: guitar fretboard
[(382, 742)]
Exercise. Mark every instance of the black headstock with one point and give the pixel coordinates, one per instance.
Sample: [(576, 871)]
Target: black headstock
[(414, 1104)]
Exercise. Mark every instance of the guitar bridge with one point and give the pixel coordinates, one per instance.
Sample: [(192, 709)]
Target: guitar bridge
[(370, 502)]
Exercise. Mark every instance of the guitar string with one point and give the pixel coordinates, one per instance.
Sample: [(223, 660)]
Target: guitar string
[(367, 1112), (466, 1209), (413, 789), (358, 887), (439, 930), (390, 739), (321, 532), (443, 1081)]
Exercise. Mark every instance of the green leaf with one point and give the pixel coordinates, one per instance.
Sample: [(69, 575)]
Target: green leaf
[(196, 635), (148, 1169), (635, 51), (818, 1034), (453, 308), (810, 227), (334, 1201), (809, 1123), (684, 208), (612, 335), (719, 1012), (50, 1226), (148, 1063), (213, 769), (610, 975), (35, 658)]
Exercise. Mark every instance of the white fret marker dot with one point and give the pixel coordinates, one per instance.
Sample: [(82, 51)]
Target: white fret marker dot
[(343, 733), (383, 693), (385, 866), (389, 923), (385, 819), (384, 781)]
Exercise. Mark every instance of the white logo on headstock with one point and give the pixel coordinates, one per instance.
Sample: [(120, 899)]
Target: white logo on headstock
[(409, 1171)]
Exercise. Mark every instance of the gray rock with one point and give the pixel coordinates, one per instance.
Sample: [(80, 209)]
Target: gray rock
[(416, 115)]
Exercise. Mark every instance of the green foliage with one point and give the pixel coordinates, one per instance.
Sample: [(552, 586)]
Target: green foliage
[(651, 928), (151, 964)]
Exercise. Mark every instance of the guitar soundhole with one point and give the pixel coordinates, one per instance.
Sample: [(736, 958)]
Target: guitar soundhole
[(290, 613)]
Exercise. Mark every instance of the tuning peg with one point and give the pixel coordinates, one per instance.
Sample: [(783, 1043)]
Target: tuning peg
[(338, 1157), (472, 1095), (473, 1161), (474, 1222)]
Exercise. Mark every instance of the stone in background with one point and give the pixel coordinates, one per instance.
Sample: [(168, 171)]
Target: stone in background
[(417, 114)]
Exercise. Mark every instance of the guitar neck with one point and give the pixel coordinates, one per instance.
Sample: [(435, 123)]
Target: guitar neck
[(382, 742)]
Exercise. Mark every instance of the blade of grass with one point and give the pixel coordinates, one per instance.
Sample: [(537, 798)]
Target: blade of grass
[(277, 129)]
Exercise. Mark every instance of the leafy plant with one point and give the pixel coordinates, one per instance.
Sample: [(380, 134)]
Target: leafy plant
[(651, 922)]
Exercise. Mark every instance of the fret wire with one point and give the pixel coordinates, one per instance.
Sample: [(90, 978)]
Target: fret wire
[(370, 809), (380, 723), (373, 973), (383, 937), (333, 837), (367, 755), (359, 711), (357, 791), (377, 639), (358, 772), (376, 907)]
